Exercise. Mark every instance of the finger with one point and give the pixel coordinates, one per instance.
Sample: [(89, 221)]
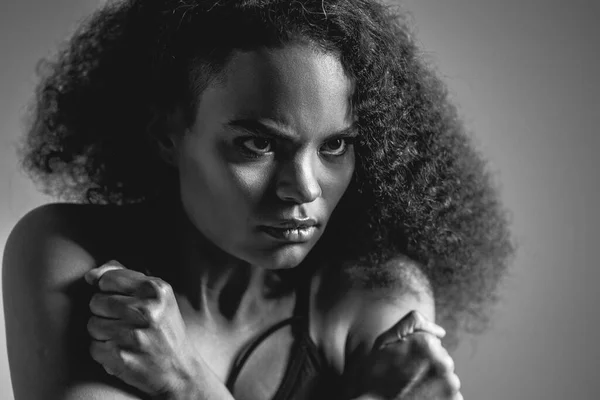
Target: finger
[(116, 361), (129, 310), (103, 329), (429, 347), (441, 360), (110, 305), (412, 322), (123, 281), (416, 355), (417, 376), (123, 334), (93, 276), (154, 288), (435, 387), (454, 383), (440, 373), (106, 354), (132, 339), (448, 385)]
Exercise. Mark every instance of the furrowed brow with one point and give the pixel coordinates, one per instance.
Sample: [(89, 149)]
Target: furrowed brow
[(257, 127), (352, 130)]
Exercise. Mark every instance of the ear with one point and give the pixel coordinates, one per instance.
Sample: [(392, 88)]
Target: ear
[(166, 146), (165, 133)]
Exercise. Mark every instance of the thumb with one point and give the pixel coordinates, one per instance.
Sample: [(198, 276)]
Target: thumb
[(93, 276), (412, 322)]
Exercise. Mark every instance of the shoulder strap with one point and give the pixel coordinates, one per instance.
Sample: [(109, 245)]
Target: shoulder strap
[(245, 355), (301, 310)]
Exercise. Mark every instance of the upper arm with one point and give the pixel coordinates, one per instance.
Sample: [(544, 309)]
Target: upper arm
[(379, 309), (46, 311), (362, 311)]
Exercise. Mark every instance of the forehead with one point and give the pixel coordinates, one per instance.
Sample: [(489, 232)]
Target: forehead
[(295, 86)]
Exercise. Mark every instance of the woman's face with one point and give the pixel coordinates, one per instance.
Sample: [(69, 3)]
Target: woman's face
[(270, 154)]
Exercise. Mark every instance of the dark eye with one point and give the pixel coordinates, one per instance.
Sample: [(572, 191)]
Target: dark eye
[(257, 145), (335, 147)]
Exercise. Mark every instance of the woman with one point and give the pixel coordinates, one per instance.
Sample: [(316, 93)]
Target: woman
[(212, 142)]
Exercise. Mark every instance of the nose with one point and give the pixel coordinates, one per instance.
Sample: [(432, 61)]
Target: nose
[(297, 181)]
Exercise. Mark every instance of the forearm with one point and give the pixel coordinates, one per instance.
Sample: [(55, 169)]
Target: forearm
[(200, 393), (202, 384)]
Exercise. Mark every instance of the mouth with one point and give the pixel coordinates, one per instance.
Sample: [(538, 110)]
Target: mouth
[(293, 235), (292, 231)]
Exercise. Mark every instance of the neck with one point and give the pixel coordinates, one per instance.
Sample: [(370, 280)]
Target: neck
[(213, 284)]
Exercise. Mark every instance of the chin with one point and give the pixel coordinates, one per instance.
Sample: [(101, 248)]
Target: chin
[(284, 258)]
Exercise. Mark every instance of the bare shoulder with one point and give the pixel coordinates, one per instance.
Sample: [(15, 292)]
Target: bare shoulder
[(46, 300), (352, 306)]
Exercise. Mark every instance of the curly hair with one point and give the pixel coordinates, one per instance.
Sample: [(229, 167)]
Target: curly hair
[(420, 188)]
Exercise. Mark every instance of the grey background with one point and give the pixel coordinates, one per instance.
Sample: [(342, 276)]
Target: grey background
[(525, 75)]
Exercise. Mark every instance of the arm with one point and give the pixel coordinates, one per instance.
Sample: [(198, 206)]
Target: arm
[(350, 313), (46, 309), (377, 310), (140, 337), (363, 324)]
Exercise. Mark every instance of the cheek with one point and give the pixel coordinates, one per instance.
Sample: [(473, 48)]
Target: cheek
[(205, 188), (337, 179), (251, 181), (221, 190)]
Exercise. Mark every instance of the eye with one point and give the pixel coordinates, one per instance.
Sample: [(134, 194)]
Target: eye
[(336, 147), (256, 145)]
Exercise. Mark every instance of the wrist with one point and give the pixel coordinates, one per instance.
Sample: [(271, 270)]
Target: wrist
[(183, 392), (184, 384), (197, 382)]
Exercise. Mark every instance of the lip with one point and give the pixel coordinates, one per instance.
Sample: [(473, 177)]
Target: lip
[(293, 223), (297, 234)]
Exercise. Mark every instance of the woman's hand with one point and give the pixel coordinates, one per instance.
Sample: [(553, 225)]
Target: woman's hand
[(408, 362), (138, 332)]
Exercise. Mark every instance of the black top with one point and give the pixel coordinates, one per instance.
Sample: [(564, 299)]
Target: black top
[(305, 374)]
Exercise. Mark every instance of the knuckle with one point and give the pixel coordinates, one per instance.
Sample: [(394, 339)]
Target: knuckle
[(94, 303), (148, 288), (413, 316), (429, 342), (452, 384), (138, 338), (92, 326), (425, 346), (117, 362), (95, 351), (448, 364), (133, 338), (445, 363), (114, 369), (418, 317), (161, 287), (144, 314), (101, 352)]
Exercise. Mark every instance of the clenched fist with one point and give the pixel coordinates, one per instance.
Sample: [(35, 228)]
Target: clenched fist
[(408, 362), (137, 331)]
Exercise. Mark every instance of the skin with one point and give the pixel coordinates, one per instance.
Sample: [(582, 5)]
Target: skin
[(266, 146), (148, 334), (229, 278)]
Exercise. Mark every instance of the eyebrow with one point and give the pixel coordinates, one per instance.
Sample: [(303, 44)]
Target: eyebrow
[(257, 127)]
